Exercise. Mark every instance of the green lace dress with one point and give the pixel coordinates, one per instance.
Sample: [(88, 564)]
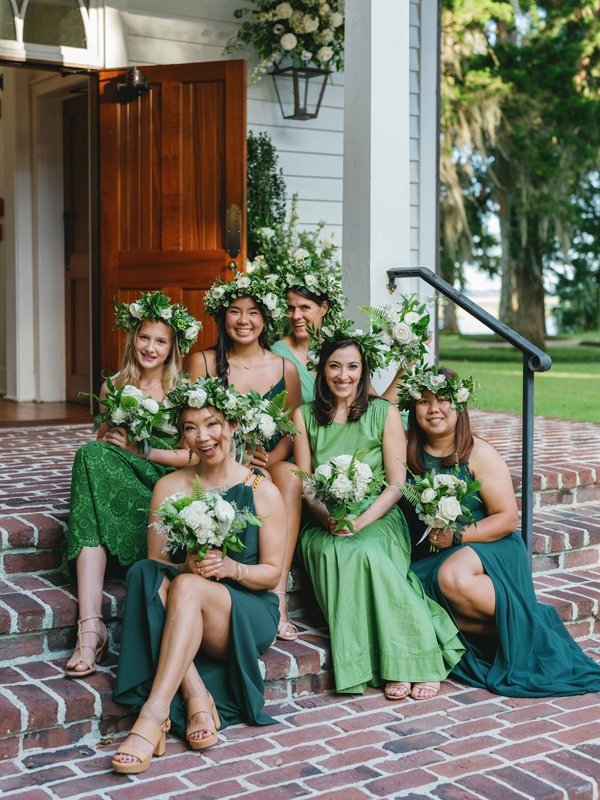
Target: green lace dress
[(109, 486), (236, 685), (534, 656), (383, 626)]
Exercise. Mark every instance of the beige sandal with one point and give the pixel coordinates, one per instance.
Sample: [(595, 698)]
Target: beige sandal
[(433, 685), (207, 705), (283, 624), (151, 732), (100, 652), (392, 685)]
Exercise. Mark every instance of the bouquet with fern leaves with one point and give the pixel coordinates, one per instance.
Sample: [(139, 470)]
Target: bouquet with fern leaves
[(403, 327), (345, 485), (439, 500), (201, 521), (264, 420)]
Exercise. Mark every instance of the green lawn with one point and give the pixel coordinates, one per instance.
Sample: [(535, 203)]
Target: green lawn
[(569, 391)]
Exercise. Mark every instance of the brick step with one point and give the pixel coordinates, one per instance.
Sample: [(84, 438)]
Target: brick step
[(566, 539), (556, 485)]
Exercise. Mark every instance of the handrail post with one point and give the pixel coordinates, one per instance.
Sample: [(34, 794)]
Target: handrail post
[(527, 463)]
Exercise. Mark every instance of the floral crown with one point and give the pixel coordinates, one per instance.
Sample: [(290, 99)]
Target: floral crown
[(205, 392), (155, 306), (338, 330), (301, 274), (459, 391), (257, 283)]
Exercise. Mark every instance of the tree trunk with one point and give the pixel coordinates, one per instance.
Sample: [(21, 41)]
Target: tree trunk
[(507, 269), (530, 315), (450, 323)]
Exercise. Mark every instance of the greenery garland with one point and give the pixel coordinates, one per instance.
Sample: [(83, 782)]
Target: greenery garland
[(155, 306)]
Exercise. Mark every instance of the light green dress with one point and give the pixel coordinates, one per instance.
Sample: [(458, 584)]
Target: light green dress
[(383, 626), (307, 379)]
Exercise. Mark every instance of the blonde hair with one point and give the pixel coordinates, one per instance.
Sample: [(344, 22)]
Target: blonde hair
[(130, 369)]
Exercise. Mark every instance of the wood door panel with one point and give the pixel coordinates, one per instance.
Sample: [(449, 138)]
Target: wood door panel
[(171, 162)]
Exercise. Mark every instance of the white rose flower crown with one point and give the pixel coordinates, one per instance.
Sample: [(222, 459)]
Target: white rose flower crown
[(374, 351), (264, 287), (155, 306), (459, 391)]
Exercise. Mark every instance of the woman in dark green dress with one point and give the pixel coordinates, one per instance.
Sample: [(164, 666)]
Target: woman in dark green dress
[(187, 639), (112, 478), (515, 645)]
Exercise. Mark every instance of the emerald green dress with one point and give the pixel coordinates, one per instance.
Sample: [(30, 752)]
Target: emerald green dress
[(534, 656), (307, 378), (236, 684), (109, 486), (383, 626)]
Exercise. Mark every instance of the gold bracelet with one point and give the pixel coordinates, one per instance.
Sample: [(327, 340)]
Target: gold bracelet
[(236, 577)]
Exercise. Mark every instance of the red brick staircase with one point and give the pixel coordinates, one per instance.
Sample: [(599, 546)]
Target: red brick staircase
[(40, 708)]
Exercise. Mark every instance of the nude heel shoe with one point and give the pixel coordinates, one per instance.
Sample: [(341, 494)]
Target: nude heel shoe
[(100, 652), (151, 732), (206, 704)]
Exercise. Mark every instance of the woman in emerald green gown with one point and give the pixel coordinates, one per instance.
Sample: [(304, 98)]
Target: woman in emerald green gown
[(515, 646), (187, 639), (112, 479), (384, 629)]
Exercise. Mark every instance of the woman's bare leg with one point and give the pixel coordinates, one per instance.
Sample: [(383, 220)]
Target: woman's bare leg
[(469, 592), (91, 566)]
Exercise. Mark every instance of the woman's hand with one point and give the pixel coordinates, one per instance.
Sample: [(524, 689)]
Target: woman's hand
[(213, 565), (345, 531), (118, 437), (260, 457), (440, 538)]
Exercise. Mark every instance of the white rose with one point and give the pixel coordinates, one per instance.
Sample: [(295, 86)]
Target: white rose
[(327, 243), (301, 253), (284, 11), (118, 416), (428, 496), (251, 267), (167, 427), (445, 480), (437, 380), (336, 19), (150, 404), (243, 282), (135, 310), (363, 470), (132, 391), (415, 394), (173, 498), (462, 395), (325, 8), (218, 292), (288, 41), (326, 36), (411, 317), (324, 54), (267, 425), (310, 24), (270, 301), (306, 55), (224, 511), (324, 471), (291, 280), (341, 463), (310, 280), (268, 233), (402, 333), (167, 313), (192, 332), (167, 403), (448, 508), (342, 488), (231, 402), (196, 398)]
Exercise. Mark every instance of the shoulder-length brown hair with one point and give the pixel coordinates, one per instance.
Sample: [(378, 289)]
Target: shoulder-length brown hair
[(416, 438), (324, 405)]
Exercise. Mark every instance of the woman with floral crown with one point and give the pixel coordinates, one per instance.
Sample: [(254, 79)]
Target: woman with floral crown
[(112, 477), (243, 309), (515, 646), (193, 626), (384, 629)]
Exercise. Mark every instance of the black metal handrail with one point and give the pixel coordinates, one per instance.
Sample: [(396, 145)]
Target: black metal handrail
[(534, 360)]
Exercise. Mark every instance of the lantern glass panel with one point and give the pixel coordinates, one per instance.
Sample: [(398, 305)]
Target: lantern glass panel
[(299, 91)]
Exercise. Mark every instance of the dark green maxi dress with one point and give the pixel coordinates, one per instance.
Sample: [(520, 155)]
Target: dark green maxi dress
[(535, 656), (236, 684), (109, 486)]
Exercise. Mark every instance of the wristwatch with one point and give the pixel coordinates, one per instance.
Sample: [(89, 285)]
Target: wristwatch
[(457, 539)]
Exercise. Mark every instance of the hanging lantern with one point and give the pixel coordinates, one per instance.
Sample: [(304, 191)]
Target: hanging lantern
[(300, 90)]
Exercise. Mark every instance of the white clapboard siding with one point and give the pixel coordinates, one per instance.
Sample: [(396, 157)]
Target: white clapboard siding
[(415, 39)]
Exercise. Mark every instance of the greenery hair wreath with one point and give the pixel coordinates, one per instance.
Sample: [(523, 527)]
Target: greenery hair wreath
[(155, 306), (337, 331), (257, 283), (300, 273), (459, 391), (206, 392)]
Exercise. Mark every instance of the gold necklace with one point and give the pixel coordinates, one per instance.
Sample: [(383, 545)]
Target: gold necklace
[(242, 363), (152, 385)]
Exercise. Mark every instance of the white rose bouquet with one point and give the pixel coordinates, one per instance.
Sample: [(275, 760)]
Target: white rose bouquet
[(345, 485), (263, 419), (403, 327), (201, 521), (439, 500)]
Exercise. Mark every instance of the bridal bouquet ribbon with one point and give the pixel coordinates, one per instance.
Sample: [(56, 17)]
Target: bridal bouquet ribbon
[(403, 327), (345, 485), (439, 500), (263, 419), (202, 521)]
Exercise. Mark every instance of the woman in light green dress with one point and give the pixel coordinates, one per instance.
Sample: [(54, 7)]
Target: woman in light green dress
[(384, 629)]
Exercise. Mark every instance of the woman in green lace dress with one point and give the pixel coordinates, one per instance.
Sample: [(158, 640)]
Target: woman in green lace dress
[(515, 646), (384, 629), (190, 645), (112, 479)]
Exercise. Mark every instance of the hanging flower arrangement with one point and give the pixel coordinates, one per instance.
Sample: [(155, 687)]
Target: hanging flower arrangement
[(310, 32)]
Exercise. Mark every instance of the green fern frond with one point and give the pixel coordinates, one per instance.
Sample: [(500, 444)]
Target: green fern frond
[(302, 474), (412, 494), (376, 315), (198, 492)]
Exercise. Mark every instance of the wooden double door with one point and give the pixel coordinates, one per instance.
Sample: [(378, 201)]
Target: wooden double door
[(171, 182)]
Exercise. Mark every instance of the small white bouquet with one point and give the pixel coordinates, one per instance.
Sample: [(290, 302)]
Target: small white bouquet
[(439, 500), (201, 521), (403, 327), (264, 419), (345, 485)]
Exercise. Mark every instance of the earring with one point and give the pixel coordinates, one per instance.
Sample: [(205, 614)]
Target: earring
[(190, 457)]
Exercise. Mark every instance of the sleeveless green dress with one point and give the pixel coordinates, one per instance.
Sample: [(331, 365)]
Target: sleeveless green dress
[(535, 656), (109, 486), (236, 685), (383, 626), (307, 378)]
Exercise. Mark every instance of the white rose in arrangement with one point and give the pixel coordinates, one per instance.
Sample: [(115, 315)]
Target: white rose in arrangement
[(324, 54), (392, 315), (267, 425), (363, 470), (428, 496), (270, 301), (243, 282), (437, 380), (192, 332), (224, 511), (310, 24), (196, 398), (167, 313), (291, 280), (411, 317), (133, 391), (268, 233), (167, 403), (445, 480), (327, 243), (360, 492), (301, 253), (251, 267), (231, 403), (336, 19), (143, 434), (135, 310), (402, 333), (448, 508), (325, 8), (342, 463), (415, 394), (118, 416), (310, 280), (462, 395), (150, 404), (324, 471), (284, 11), (218, 292), (342, 488), (326, 36), (306, 55), (288, 41), (173, 498), (167, 427)]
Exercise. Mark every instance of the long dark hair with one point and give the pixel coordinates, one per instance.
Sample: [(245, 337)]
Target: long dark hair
[(417, 438), (225, 343), (324, 405)]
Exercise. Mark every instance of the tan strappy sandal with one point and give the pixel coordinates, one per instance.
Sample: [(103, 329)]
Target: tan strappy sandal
[(433, 686), (396, 684), (283, 624), (99, 653), (207, 705), (151, 732)]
